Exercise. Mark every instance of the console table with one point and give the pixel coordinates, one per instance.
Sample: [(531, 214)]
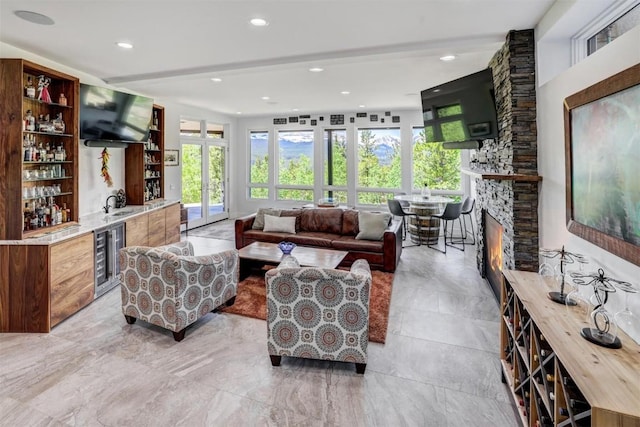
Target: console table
[(556, 377)]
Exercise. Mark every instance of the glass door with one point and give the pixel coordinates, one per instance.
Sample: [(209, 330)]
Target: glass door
[(204, 178)]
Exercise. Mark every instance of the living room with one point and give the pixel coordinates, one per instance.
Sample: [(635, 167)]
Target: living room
[(29, 400)]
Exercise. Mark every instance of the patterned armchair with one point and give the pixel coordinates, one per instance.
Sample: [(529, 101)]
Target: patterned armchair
[(170, 287), (318, 313)]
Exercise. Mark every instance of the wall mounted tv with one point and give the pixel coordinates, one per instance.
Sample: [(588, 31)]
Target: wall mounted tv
[(461, 111), (110, 115)]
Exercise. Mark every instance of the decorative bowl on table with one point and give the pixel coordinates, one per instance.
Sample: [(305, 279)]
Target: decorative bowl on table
[(286, 247)]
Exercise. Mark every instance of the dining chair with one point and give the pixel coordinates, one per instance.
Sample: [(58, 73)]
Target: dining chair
[(451, 212), (396, 209)]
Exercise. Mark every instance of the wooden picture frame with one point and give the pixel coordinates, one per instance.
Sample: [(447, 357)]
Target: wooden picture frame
[(171, 157), (602, 164)]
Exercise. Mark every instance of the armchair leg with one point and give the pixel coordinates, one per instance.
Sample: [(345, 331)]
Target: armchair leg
[(275, 360), (130, 319), (360, 367), (231, 301), (179, 336)]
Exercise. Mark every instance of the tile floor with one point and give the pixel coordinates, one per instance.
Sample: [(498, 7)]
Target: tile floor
[(439, 366)]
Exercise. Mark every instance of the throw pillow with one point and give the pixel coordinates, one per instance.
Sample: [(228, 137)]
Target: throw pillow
[(284, 224), (372, 225), (258, 222)]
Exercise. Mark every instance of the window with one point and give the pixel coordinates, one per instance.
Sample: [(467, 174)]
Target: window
[(614, 30), (378, 163), (190, 127), (432, 164), (215, 131), (335, 165), (259, 167), (295, 161)]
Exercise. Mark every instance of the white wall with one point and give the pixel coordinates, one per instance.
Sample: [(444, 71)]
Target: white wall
[(244, 205), (93, 191), (617, 56)]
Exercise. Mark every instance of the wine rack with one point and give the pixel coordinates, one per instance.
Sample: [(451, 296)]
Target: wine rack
[(557, 378)]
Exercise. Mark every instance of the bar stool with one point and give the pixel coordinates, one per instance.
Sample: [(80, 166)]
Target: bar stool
[(466, 211), (396, 210), (451, 213)]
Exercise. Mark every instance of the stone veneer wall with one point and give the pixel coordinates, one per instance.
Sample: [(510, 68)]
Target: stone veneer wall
[(513, 203)]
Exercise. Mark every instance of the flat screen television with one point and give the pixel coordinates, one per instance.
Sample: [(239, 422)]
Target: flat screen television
[(110, 115), (461, 110)]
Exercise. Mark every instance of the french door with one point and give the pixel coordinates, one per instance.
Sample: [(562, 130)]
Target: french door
[(204, 180)]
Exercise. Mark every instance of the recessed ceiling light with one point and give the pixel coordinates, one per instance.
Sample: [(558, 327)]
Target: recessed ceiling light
[(361, 106), (447, 58), (33, 17), (265, 98), (238, 112), (259, 22), (436, 90), (345, 92), (316, 69), (295, 109), (125, 45), (216, 79)]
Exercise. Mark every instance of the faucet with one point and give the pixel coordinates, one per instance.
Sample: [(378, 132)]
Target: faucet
[(106, 207)]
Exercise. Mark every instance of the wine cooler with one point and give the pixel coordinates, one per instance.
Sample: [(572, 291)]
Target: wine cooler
[(108, 241)]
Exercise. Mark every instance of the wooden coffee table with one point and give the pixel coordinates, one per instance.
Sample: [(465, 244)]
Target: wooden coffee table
[(258, 254)]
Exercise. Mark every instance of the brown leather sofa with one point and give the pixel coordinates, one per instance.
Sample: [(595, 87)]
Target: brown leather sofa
[(331, 229)]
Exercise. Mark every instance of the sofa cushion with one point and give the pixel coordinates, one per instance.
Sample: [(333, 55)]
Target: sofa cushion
[(350, 222), (372, 225), (323, 220), (258, 222), (349, 243), (279, 224), (310, 238), (293, 213)]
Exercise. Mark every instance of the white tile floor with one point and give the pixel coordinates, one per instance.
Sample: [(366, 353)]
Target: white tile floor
[(439, 366)]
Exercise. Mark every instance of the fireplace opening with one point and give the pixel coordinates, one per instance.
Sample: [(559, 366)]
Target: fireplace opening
[(493, 253)]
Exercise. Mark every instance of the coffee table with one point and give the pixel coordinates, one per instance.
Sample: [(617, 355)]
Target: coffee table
[(258, 254)]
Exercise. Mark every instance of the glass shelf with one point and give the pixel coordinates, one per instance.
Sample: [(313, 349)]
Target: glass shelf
[(46, 179), (47, 162), (53, 104), (50, 195), (67, 135)]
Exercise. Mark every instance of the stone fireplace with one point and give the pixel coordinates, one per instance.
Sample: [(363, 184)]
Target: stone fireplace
[(507, 184)]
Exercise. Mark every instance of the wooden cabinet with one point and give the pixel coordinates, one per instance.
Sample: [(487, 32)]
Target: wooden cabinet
[(38, 159), (172, 224), (556, 377), (137, 231), (72, 277), (156, 228), (144, 164), (44, 284)]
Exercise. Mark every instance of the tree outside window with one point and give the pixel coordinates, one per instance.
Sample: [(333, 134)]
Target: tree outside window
[(295, 160), (259, 168), (432, 164)]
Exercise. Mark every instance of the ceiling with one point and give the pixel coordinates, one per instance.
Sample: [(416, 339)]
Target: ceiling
[(382, 51)]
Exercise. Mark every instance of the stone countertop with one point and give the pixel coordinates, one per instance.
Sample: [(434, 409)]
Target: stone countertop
[(89, 223)]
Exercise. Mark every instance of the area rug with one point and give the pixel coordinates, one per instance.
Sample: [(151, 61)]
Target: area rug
[(251, 301)]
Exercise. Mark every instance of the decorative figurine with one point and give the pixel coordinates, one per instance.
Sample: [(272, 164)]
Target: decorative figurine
[(565, 258), (604, 329), (43, 89)]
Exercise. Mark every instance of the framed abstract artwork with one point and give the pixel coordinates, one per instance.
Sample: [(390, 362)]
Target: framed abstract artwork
[(602, 156)]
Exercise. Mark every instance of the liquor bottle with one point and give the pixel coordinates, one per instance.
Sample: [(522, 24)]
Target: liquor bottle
[(30, 121), (155, 120), (62, 100), (58, 124), (26, 212), (64, 213), (30, 89), (550, 378)]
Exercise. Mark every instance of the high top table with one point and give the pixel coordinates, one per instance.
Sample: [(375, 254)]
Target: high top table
[(424, 208)]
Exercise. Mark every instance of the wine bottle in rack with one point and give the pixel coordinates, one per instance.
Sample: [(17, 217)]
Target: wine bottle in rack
[(550, 378)]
